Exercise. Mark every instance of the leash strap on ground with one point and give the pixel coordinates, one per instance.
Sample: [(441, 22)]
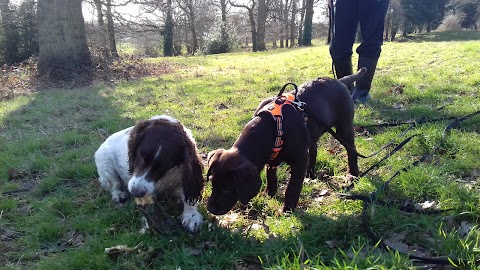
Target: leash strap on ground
[(371, 199), (349, 148)]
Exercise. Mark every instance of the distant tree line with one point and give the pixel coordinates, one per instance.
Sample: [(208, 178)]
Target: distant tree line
[(56, 31), (413, 16), (18, 31)]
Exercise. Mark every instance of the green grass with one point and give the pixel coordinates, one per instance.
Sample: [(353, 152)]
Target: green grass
[(60, 219)]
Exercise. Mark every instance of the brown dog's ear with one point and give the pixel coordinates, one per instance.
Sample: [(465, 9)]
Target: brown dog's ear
[(215, 153), (136, 137), (211, 158), (247, 181)]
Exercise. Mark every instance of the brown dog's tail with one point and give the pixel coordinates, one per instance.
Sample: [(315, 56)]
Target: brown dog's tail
[(348, 80)]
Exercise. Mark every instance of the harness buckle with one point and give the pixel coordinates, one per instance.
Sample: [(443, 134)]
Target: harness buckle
[(298, 104)]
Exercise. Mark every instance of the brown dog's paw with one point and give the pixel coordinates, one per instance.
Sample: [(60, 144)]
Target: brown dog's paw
[(311, 174), (287, 210), (269, 192)]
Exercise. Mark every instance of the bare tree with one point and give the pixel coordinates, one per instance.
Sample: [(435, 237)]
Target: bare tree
[(12, 38), (189, 8), (101, 29), (300, 23), (292, 23), (261, 22), (111, 29), (307, 29), (168, 31), (285, 12), (253, 29), (62, 40)]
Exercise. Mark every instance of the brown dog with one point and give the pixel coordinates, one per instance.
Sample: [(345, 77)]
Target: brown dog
[(235, 172)]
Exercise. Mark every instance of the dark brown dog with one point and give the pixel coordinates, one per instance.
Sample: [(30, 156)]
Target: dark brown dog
[(235, 172)]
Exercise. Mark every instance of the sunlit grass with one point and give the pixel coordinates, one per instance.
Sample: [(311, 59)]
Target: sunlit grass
[(60, 218)]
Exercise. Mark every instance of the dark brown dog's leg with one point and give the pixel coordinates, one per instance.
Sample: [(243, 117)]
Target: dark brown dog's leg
[(315, 134), (312, 153), (294, 188), (272, 182), (348, 135)]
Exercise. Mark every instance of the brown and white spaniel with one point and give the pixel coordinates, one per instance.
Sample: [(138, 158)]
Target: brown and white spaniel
[(155, 155)]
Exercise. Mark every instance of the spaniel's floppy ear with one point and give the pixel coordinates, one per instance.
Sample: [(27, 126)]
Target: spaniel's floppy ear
[(247, 181), (192, 180), (136, 136), (211, 158)]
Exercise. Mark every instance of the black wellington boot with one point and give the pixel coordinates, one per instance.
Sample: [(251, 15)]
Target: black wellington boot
[(363, 85), (343, 67)]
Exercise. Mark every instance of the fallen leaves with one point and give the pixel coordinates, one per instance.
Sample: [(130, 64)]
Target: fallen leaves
[(426, 205), (465, 228), (196, 251), (228, 219), (320, 196), (115, 251), (396, 90)]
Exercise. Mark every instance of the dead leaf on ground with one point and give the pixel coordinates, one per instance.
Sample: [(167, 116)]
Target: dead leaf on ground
[(419, 251), (9, 235), (249, 263), (227, 220), (221, 106), (399, 106), (362, 254), (396, 245), (331, 243), (426, 205), (119, 250), (396, 90), (321, 195), (74, 239), (193, 251), (465, 228)]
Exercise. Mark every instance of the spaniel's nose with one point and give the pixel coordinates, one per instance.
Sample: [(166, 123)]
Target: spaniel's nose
[(138, 192)]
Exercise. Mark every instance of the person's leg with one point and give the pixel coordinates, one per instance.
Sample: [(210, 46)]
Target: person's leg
[(345, 23), (372, 18)]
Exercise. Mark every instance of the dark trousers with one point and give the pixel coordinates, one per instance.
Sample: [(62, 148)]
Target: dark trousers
[(347, 15)]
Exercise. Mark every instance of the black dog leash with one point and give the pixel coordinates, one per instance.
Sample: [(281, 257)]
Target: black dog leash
[(302, 106), (372, 198)]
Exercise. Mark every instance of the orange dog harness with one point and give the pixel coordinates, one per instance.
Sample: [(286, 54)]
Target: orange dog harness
[(275, 109)]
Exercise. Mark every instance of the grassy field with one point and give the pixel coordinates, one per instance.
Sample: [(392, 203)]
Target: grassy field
[(53, 214)]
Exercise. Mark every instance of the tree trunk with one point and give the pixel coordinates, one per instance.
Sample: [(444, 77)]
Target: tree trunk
[(101, 30), (262, 20), (330, 20), (300, 24), (193, 30), (307, 30), (393, 33), (285, 21), (223, 7), (253, 29), (292, 23), (388, 25), (281, 27), (63, 52), (168, 34), (111, 30)]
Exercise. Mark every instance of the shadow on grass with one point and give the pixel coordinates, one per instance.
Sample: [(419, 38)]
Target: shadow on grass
[(48, 184)]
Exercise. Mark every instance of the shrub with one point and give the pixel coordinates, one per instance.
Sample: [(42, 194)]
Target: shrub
[(451, 22), (220, 39)]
